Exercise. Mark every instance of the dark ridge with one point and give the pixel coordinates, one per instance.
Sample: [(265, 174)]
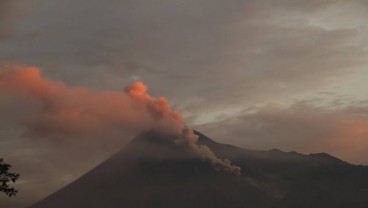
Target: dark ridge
[(327, 157), (152, 172)]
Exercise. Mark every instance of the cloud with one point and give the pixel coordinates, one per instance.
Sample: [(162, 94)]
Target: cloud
[(58, 123), (216, 56), (52, 133), (63, 111), (234, 53), (302, 127), (11, 11), (174, 124)]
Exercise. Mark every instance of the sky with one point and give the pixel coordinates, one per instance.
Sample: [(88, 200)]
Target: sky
[(258, 74)]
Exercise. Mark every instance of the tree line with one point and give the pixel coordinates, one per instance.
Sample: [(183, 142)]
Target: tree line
[(7, 178)]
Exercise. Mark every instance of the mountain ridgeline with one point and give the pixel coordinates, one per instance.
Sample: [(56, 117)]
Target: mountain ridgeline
[(151, 172)]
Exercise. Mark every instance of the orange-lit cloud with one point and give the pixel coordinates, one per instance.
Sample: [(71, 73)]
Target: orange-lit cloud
[(67, 110), (84, 113), (158, 108), (174, 123)]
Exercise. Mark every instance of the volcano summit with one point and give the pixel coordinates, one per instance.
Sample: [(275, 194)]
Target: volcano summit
[(153, 172)]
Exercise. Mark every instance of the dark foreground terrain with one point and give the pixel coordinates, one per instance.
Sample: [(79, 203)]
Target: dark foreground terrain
[(153, 173)]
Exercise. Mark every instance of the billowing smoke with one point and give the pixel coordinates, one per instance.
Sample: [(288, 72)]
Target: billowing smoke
[(173, 121), (60, 113), (84, 112)]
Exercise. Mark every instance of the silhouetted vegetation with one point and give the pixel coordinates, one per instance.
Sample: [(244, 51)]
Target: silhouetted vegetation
[(7, 177)]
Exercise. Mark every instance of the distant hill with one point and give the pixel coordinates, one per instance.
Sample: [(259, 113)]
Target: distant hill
[(151, 172)]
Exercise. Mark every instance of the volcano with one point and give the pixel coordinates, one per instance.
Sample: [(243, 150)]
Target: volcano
[(152, 172)]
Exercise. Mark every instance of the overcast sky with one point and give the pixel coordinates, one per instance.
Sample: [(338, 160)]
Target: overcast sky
[(259, 74)]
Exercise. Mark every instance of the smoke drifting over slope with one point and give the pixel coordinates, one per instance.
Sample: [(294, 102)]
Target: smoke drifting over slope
[(78, 111), (172, 122)]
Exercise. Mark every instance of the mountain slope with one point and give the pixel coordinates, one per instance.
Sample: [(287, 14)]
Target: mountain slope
[(298, 180), (153, 172)]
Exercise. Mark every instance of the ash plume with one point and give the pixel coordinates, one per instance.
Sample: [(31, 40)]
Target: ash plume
[(85, 113), (173, 122)]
